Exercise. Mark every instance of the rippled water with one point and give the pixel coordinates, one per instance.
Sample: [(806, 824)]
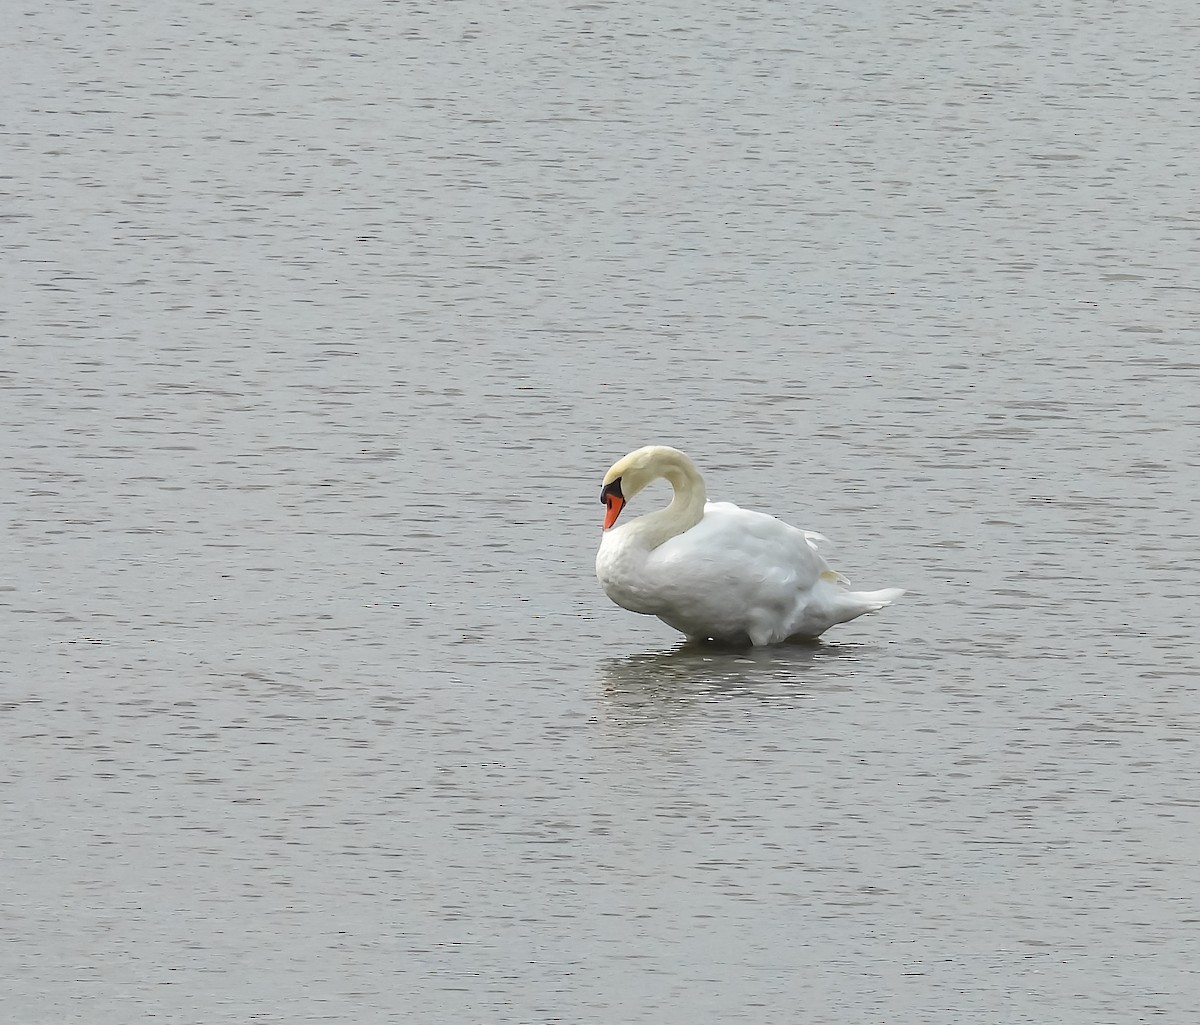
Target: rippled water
[(320, 329)]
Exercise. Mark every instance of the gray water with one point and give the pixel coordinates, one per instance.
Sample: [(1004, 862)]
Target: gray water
[(320, 328)]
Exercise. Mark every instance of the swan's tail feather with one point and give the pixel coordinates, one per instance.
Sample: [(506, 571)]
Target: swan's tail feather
[(877, 599), (852, 604)]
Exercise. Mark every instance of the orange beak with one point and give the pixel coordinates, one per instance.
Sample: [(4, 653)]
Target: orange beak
[(613, 501)]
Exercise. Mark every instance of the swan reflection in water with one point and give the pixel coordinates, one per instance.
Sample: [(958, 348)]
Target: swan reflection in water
[(693, 674)]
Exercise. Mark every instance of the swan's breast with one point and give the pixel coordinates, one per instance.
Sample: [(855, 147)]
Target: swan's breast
[(621, 570)]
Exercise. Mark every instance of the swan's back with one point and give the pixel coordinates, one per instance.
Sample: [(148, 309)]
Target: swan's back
[(730, 538)]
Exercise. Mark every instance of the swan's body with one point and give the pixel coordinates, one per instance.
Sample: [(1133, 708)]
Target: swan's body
[(714, 571)]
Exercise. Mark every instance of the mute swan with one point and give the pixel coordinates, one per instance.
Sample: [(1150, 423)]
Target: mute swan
[(713, 571)]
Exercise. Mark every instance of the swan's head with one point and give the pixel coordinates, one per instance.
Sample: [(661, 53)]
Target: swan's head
[(629, 475)]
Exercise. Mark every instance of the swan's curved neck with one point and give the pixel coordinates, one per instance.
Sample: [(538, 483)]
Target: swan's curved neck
[(684, 512)]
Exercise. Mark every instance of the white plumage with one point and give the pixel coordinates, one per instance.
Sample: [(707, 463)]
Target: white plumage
[(714, 571)]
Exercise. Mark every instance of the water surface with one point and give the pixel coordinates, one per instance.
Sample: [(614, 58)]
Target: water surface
[(320, 330)]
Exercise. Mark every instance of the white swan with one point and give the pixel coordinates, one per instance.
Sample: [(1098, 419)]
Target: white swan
[(713, 571)]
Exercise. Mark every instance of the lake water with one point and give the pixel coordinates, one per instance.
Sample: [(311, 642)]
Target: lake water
[(320, 328)]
